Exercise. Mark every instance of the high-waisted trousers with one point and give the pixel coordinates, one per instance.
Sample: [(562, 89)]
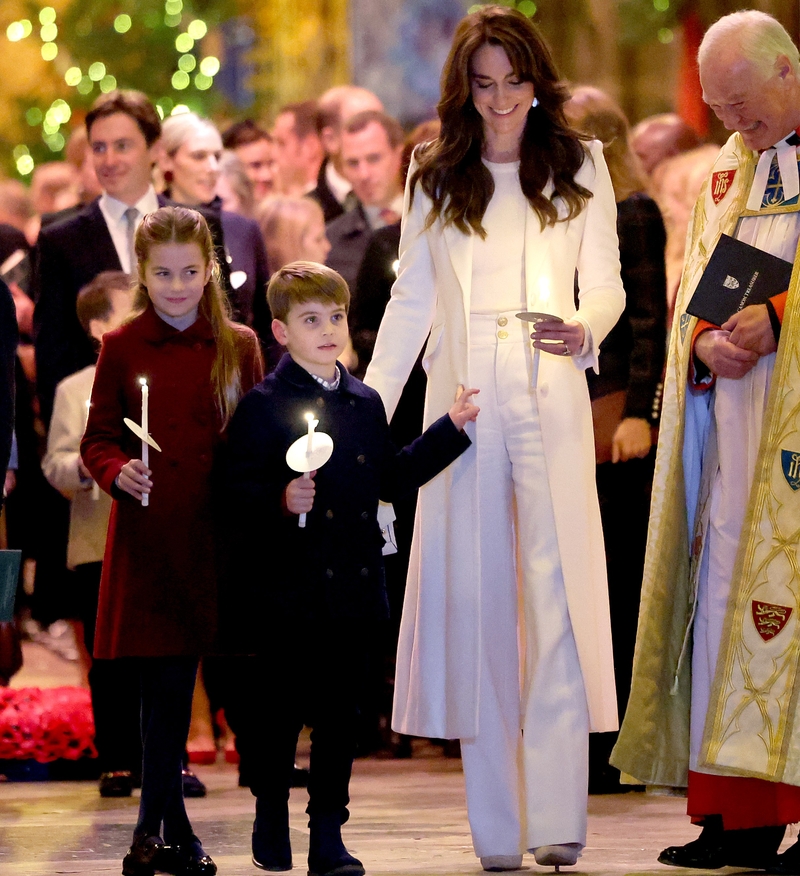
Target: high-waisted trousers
[(526, 771)]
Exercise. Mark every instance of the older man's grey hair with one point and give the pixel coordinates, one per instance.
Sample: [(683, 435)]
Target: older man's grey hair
[(760, 38)]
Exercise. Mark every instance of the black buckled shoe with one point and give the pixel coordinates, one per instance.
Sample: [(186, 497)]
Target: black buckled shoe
[(142, 855), (186, 859)]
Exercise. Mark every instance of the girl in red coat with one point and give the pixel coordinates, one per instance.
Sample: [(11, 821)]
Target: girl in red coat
[(158, 594)]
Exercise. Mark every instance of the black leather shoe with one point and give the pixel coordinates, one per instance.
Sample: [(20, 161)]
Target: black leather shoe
[(704, 853), (116, 784), (787, 864), (141, 857), (192, 786), (754, 848), (698, 854), (186, 859)]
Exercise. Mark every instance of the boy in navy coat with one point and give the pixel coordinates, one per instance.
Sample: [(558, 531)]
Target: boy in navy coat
[(322, 593)]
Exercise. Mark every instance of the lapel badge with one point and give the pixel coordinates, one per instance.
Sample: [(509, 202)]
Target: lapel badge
[(790, 464), (770, 619), (721, 182)]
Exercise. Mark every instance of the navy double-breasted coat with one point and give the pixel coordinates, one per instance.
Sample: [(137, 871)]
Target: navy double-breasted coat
[(332, 568)]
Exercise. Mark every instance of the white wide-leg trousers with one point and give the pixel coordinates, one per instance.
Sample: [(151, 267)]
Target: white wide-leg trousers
[(526, 771)]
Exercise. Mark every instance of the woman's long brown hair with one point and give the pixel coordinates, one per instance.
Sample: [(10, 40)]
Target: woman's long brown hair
[(182, 225), (450, 170)]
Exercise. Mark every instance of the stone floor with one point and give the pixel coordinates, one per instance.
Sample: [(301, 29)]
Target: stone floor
[(408, 819)]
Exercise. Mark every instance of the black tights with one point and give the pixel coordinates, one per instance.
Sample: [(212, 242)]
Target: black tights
[(167, 684)]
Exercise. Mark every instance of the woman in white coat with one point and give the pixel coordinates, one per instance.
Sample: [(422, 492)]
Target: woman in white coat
[(505, 640)]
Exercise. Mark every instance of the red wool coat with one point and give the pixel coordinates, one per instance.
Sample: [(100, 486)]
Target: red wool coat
[(158, 594)]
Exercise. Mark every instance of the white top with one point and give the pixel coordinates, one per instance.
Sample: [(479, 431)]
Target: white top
[(497, 262), (114, 213)]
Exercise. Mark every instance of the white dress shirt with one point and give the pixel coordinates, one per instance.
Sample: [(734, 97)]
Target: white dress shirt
[(114, 213)]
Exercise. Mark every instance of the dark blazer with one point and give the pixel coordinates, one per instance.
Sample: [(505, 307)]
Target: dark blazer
[(323, 195), (632, 354), (68, 255), (332, 568), (8, 355), (349, 236), (158, 594), (245, 254)]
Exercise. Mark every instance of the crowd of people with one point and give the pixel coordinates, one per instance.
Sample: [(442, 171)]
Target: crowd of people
[(509, 314)]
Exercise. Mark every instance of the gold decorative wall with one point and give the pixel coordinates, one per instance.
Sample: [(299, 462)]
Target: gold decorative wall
[(302, 48)]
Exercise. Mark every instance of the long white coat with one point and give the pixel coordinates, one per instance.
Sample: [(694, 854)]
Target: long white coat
[(437, 665)]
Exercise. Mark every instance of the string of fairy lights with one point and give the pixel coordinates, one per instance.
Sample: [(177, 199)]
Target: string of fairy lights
[(191, 71)]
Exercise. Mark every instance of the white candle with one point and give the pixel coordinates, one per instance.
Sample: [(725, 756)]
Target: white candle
[(146, 431), (95, 487), (312, 424)]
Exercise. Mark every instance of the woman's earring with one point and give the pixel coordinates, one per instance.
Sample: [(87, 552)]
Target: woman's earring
[(535, 103)]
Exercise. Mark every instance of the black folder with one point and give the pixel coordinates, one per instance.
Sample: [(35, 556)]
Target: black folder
[(737, 275)]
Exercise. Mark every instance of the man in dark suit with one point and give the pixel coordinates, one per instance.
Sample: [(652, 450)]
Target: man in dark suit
[(123, 127), (336, 106), (372, 149)]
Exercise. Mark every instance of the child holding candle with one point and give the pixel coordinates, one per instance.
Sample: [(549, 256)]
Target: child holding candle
[(158, 593), (323, 586), (102, 306)]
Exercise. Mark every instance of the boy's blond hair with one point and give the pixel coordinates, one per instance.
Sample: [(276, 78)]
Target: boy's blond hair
[(301, 282)]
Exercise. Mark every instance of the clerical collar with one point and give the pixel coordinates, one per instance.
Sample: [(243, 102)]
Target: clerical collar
[(330, 385), (786, 150)]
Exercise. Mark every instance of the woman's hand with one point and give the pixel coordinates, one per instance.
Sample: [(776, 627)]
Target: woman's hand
[(559, 338), (299, 494), (632, 440), (134, 478), (463, 410)]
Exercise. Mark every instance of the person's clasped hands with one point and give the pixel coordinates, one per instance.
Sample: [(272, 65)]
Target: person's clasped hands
[(733, 350)]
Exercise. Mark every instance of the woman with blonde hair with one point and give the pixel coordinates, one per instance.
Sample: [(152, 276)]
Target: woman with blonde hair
[(190, 156)]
